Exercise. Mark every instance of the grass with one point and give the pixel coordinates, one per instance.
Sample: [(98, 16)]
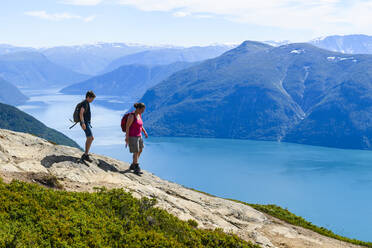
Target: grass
[(35, 216), (287, 216)]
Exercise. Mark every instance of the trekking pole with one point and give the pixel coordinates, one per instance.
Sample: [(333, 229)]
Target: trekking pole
[(74, 124)]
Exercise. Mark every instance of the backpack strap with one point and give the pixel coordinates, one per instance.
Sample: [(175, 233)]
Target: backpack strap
[(132, 113)]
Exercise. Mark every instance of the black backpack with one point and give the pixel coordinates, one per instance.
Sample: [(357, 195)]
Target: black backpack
[(76, 115)]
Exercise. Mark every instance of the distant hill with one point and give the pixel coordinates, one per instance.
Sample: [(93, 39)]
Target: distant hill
[(297, 93), (10, 94), (353, 44), (14, 119), (169, 55), (127, 81), (5, 49), (34, 70), (92, 58)]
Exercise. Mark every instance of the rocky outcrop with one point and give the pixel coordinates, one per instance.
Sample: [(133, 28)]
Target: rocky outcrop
[(26, 157)]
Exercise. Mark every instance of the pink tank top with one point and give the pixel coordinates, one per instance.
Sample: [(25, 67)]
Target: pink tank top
[(135, 130)]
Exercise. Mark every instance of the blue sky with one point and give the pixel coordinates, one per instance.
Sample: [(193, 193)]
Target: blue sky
[(178, 22)]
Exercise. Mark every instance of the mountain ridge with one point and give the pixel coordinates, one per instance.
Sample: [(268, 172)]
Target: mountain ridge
[(10, 94), (166, 56), (352, 44), (92, 59), (127, 81), (30, 69), (276, 91), (14, 119)]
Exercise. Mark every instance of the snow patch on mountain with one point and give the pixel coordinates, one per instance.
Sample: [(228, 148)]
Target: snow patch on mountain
[(299, 51)]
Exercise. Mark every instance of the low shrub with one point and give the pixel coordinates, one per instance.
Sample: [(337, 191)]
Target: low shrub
[(33, 216)]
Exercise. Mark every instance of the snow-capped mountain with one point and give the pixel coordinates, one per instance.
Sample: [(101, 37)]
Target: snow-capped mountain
[(92, 59), (354, 44), (166, 56), (276, 42), (5, 49)]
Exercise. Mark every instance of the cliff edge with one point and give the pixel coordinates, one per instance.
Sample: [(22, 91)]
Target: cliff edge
[(29, 158)]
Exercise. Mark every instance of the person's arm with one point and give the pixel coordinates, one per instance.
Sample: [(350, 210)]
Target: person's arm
[(144, 131), (82, 123), (129, 123)]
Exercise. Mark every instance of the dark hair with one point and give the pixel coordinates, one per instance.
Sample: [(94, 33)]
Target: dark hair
[(139, 105), (90, 94)]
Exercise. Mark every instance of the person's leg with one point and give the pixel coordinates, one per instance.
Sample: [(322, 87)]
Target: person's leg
[(140, 146), (135, 157), (90, 138), (136, 167), (139, 154), (135, 148), (88, 144)]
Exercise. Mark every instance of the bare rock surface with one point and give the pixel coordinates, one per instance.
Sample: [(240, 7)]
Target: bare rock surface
[(28, 158)]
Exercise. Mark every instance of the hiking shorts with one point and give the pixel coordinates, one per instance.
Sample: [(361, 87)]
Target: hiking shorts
[(88, 130), (135, 144)]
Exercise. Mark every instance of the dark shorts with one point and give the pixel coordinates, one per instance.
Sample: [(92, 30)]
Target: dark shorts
[(88, 130), (135, 144)]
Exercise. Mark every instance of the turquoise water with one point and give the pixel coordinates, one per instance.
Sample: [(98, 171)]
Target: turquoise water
[(329, 187)]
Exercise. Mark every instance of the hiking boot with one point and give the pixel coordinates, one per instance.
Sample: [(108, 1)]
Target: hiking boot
[(86, 158), (137, 169), (132, 166)]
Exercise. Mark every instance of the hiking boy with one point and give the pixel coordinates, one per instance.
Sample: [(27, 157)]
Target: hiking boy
[(85, 118)]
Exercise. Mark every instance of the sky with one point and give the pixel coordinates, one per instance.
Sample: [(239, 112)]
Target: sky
[(41, 23)]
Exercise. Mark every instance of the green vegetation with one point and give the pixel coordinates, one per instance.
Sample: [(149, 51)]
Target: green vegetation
[(33, 216), (287, 216), (14, 119)]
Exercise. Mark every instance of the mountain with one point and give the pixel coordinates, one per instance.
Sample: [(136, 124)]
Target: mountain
[(5, 49), (277, 42), (34, 70), (140, 211), (91, 59), (14, 119), (296, 93), (10, 94), (169, 55), (126, 81), (353, 44)]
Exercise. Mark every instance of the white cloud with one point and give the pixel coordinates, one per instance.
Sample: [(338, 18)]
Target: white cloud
[(203, 16), (82, 2), (89, 18), (319, 16), (181, 14), (58, 16)]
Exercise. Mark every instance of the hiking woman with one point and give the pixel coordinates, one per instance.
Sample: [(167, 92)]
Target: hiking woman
[(134, 129)]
